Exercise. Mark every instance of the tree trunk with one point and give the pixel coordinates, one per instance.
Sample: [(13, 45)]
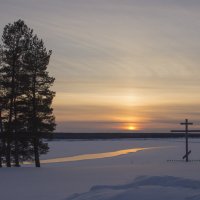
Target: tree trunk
[(8, 146), (1, 140), (16, 154), (8, 152), (10, 125), (1, 151), (35, 129), (36, 151)]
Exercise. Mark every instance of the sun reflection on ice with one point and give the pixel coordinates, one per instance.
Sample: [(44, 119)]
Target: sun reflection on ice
[(93, 156)]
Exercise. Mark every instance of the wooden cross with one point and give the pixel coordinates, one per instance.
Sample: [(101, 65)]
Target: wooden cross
[(186, 131)]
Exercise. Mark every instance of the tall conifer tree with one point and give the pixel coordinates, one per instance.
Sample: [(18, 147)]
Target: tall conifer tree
[(15, 37), (25, 84), (39, 95)]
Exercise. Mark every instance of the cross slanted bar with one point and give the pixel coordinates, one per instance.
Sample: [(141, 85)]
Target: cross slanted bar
[(186, 131)]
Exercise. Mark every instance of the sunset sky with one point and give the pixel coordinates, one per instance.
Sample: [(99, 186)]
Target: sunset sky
[(120, 65)]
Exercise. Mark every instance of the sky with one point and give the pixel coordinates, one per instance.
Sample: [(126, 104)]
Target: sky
[(120, 65)]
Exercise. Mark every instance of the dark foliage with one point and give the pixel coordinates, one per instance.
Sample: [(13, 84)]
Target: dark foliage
[(25, 92)]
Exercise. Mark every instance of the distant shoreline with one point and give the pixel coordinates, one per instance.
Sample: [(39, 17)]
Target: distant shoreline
[(88, 136), (119, 135)]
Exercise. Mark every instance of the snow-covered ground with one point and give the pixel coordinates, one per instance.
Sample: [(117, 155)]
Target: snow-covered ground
[(146, 174)]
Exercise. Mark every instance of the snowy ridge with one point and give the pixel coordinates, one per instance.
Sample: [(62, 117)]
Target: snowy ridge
[(145, 188), (165, 181)]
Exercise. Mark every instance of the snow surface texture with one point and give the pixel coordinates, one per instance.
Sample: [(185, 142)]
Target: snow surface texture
[(118, 176), (145, 188)]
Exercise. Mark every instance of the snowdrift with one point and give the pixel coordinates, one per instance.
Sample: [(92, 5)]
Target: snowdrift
[(145, 188)]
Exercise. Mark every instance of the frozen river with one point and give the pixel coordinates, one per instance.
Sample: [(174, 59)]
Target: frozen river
[(93, 156)]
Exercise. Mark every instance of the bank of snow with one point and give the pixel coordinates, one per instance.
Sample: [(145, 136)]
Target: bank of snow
[(145, 188)]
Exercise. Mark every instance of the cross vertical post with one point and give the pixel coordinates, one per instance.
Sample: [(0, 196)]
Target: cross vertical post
[(186, 123)]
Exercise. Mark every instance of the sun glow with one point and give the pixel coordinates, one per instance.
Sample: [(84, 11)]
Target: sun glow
[(131, 128)]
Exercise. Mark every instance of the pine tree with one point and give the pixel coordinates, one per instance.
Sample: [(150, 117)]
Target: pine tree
[(25, 88), (39, 96), (15, 42)]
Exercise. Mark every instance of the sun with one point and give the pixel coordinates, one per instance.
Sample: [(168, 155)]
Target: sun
[(131, 128)]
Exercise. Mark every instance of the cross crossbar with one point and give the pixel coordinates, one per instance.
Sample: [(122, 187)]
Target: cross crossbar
[(186, 123), (189, 152)]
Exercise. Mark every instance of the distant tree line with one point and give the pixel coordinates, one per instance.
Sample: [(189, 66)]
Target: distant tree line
[(26, 112)]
